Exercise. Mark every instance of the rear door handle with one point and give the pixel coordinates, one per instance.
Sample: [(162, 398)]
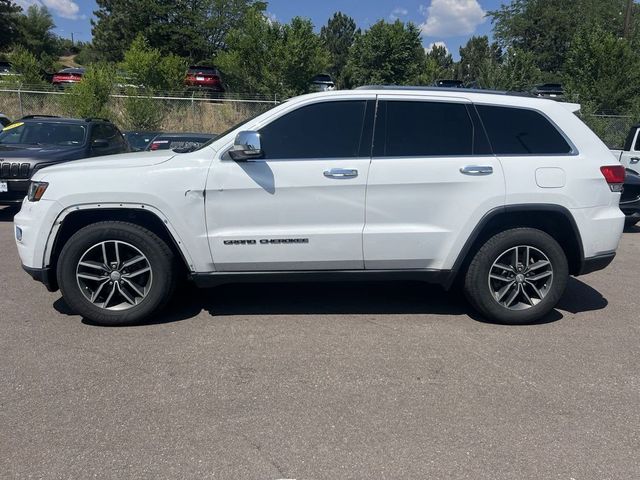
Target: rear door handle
[(477, 170), (341, 173), (634, 160)]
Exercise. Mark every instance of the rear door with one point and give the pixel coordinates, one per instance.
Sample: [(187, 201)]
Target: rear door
[(630, 157), (431, 180)]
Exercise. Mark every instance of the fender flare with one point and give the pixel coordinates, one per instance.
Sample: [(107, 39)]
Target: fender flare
[(53, 233), (507, 209)]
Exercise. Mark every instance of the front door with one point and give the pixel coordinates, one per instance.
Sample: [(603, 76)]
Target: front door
[(302, 206)]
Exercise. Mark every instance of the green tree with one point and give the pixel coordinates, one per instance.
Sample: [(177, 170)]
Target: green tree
[(338, 37), (36, 31), (603, 70), (387, 53), (474, 57), (546, 27), (151, 69), (9, 18), (301, 55), (440, 64), (266, 57), (90, 97), (189, 28)]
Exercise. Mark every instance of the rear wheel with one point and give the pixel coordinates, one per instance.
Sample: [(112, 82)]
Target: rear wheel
[(517, 277), (116, 273)]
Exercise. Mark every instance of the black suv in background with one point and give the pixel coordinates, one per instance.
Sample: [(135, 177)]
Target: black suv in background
[(35, 142)]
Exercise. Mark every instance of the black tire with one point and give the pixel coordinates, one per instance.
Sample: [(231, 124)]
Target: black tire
[(477, 284), (160, 259), (630, 222)]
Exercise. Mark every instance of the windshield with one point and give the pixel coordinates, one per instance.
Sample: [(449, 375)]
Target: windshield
[(41, 133)]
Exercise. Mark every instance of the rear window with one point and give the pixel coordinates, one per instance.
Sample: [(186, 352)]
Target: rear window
[(416, 129), (171, 143), (203, 70), (518, 131)]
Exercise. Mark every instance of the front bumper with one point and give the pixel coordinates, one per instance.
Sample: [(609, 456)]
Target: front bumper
[(46, 276), (594, 264), (17, 191)]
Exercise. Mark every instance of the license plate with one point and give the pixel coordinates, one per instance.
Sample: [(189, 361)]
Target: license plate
[(200, 79), (3, 187)]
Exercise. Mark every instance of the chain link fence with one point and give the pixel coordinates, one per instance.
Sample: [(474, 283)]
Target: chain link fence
[(194, 112), (169, 112), (612, 129)]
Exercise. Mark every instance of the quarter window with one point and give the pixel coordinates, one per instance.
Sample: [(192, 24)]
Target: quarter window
[(518, 131), (418, 129), (321, 130)]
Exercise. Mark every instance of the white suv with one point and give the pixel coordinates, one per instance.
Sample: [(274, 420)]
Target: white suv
[(507, 194)]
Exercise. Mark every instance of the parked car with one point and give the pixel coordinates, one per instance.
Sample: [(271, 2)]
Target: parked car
[(549, 90), (67, 77), (630, 201), (35, 142), (629, 156), (367, 184), (139, 141), (4, 120), (7, 73), (181, 141), (204, 79), (322, 83), (448, 84)]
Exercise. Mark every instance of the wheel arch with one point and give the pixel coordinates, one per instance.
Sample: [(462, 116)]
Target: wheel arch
[(75, 218), (554, 220)]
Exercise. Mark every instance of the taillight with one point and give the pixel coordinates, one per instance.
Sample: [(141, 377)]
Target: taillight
[(614, 175), (154, 147)]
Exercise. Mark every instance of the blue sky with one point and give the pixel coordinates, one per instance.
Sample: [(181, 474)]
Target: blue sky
[(448, 21)]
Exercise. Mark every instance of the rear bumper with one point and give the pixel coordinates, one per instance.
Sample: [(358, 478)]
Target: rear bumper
[(46, 276)]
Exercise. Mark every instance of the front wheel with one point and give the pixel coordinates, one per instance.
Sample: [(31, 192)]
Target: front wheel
[(116, 273), (517, 277)]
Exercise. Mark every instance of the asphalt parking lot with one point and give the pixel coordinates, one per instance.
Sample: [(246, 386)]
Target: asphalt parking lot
[(322, 382)]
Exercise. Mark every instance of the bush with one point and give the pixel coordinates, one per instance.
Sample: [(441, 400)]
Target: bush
[(89, 98), (27, 65), (141, 112)]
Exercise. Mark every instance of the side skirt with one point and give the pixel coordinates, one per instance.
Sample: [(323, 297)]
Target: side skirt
[(208, 280)]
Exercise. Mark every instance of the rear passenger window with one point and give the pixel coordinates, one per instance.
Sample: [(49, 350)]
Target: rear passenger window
[(517, 131), (419, 129), (321, 130)]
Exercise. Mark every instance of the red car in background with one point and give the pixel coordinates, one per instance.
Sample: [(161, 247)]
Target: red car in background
[(204, 79), (67, 77)]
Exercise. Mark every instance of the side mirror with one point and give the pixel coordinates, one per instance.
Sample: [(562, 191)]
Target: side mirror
[(247, 146), (100, 143)]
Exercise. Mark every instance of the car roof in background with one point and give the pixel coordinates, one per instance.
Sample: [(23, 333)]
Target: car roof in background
[(72, 70), (184, 135), (54, 119)]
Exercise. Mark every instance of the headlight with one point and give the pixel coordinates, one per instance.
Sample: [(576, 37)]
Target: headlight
[(36, 191)]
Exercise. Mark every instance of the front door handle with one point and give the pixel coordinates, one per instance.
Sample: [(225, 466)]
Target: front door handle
[(477, 170), (341, 173)]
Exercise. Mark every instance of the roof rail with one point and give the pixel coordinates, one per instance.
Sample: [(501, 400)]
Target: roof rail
[(445, 89), (27, 117), (94, 119)]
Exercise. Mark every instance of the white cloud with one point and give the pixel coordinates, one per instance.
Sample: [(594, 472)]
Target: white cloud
[(62, 8), (271, 17), (451, 18), (436, 44), (398, 13)]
